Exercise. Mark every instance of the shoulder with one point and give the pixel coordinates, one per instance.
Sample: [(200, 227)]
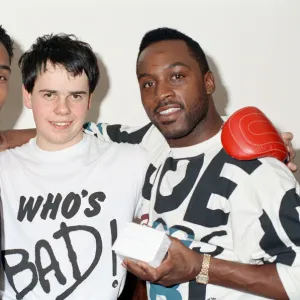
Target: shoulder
[(269, 184), (263, 178), (128, 153), (276, 173), (117, 133), (18, 152)]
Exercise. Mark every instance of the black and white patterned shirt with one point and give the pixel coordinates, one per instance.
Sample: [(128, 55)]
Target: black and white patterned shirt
[(242, 211)]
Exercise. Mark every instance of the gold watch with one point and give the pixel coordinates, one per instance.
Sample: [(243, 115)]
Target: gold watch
[(203, 277)]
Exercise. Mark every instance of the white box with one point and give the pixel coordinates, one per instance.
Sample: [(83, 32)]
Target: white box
[(142, 243)]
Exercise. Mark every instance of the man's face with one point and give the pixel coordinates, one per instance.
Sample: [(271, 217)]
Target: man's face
[(4, 74), (173, 89), (59, 103)]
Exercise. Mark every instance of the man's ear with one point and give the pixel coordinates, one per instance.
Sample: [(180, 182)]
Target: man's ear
[(26, 98), (90, 101), (209, 83)]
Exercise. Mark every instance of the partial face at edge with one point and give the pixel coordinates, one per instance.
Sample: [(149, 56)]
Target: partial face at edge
[(4, 74), (59, 103), (174, 92)]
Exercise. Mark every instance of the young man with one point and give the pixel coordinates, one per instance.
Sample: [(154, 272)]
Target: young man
[(64, 194), (243, 215)]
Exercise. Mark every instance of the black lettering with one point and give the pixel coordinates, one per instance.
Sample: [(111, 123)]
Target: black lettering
[(84, 193), (29, 208), (52, 206), (289, 216), (272, 244), (64, 232), (147, 187), (23, 265), (54, 265), (160, 222), (212, 183), (188, 231), (180, 191), (114, 234), (71, 205), (197, 291), (94, 200)]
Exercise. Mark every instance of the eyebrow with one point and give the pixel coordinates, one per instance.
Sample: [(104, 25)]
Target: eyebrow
[(5, 67), (55, 91), (78, 92), (178, 63), (175, 64)]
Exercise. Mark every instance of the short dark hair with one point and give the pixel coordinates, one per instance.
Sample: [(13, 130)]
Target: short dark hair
[(7, 42), (59, 49), (165, 34)]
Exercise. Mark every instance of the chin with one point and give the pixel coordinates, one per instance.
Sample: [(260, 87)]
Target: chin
[(173, 132)]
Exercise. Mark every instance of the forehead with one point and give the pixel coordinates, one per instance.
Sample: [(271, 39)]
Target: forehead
[(4, 58), (164, 53), (58, 78)]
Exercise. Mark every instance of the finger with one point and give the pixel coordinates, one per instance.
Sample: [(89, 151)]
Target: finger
[(291, 151), (156, 274), (135, 269), (292, 166), (142, 270), (287, 136)]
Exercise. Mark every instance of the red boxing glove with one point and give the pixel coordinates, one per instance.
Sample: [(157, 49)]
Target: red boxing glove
[(249, 134)]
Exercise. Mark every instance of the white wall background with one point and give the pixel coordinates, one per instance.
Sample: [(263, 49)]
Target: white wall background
[(253, 47)]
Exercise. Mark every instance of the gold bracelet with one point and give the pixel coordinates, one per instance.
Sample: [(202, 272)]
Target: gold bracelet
[(203, 277)]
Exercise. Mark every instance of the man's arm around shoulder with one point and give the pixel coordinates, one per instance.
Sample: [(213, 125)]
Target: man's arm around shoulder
[(15, 138)]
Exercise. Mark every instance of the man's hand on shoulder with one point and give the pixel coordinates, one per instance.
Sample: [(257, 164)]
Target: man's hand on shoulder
[(287, 138), (3, 141), (15, 138)]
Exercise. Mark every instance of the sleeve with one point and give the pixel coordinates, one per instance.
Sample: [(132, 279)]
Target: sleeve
[(117, 133), (148, 137), (142, 203), (266, 222)]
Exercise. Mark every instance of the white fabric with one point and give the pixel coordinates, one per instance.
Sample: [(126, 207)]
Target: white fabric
[(96, 189), (238, 211)]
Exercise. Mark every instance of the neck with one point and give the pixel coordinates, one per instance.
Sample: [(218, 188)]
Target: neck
[(206, 129), (51, 146)]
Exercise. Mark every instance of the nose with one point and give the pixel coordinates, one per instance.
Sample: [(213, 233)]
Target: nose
[(62, 107), (164, 91)]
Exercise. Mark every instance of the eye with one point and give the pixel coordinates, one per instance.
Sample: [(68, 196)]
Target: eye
[(2, 78), (76, 96), (48, 96), (148, 84), (177, 76)]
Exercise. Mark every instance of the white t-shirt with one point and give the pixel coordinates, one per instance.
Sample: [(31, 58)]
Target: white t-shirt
[(243, 211), (61, 214)]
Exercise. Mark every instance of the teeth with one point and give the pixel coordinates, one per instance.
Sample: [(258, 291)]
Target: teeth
[(61, 123), (169, 111)]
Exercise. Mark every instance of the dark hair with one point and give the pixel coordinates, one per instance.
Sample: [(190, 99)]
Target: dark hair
[(165, 34), (60, 49), (6, 41)]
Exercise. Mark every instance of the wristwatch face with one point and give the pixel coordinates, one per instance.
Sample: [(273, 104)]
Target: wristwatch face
[(201, 278)]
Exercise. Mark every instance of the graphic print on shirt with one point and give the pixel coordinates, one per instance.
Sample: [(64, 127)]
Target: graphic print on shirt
[(199, 225), (197, 212), (32, 207)]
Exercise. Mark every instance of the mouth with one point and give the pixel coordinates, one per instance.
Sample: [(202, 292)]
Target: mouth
[(169, 113), (61, 125)]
